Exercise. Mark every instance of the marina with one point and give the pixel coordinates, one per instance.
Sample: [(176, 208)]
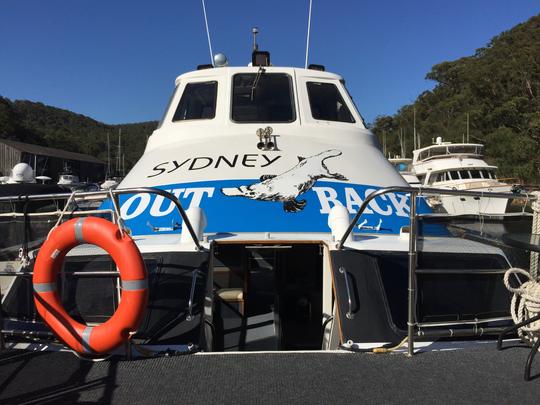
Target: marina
[(264, 249)]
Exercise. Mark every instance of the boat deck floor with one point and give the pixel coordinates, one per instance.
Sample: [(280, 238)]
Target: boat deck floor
[(480, 375)]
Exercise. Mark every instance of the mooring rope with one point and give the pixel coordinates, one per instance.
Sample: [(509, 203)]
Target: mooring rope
[(525, 304)]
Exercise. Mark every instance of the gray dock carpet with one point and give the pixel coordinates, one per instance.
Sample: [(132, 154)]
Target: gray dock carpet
[(466, 377)]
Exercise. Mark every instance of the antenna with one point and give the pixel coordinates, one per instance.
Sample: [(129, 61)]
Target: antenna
[(308, 31), (208, 33), (255, 31)]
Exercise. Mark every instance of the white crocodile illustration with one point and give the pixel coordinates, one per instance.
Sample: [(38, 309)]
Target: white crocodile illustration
[(287, 186)]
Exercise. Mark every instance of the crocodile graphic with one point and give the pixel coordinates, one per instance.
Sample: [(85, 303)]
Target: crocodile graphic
[(287, 186)]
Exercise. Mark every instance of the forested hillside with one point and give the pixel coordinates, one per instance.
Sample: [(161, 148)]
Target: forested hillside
[(499, 87), (37, 123)]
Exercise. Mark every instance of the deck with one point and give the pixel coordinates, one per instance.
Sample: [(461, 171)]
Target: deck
[(479, 375)]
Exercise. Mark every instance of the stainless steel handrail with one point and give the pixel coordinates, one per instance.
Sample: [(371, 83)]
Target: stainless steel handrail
[(463, 322), (412, 280), (96, 195), (418, 191), (413, 235), (71, 273), (189, 316), (349, 314)]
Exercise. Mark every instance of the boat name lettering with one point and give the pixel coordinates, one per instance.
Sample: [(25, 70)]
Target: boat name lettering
[(385, 205), (140, 202), (328, 197), (203, 162)]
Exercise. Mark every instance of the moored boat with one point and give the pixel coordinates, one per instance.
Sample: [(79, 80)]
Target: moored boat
[(460, 166)]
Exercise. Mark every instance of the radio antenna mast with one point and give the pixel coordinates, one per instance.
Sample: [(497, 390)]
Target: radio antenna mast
[(308, 31), (208, 33)]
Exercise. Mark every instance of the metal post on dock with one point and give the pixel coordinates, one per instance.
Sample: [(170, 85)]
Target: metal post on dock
[(412, 278)]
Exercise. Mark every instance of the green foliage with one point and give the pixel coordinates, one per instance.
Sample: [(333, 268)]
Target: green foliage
[(499, 87), (30, 122)]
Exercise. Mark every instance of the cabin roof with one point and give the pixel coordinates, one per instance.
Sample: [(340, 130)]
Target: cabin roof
[(229, 71)]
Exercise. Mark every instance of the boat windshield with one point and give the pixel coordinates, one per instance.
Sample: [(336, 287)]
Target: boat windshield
[(327, 104), (262, 97), (198, 102)]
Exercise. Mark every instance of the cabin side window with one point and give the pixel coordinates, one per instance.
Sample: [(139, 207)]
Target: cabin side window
[(262, 97), (198, 102), (327, 104), (167, 108), (353, 103)]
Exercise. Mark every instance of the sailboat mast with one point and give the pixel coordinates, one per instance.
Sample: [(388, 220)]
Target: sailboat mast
[(402, 142), (467, 127), (414, 129), (108, 156), (119, 152)]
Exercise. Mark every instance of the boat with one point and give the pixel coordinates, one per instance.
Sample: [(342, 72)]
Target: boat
[(68, 178), (234, 232), (112, 180), (460, 166), (21, 173), (405, 169)]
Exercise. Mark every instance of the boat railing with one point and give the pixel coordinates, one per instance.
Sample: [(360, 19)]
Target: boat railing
[(82, 196), (413, 327), (100, 195), (444, 151)]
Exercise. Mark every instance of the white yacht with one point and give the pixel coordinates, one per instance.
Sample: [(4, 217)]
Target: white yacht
[(460, 166), (110, 183)]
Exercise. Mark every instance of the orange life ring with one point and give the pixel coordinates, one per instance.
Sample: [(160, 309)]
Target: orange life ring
[(107, 336)]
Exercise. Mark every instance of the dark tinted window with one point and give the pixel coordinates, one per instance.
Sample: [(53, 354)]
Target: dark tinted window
[(262, 97), (454, 174), (198, 102), (475, 174), (326, 103), (167, 108)]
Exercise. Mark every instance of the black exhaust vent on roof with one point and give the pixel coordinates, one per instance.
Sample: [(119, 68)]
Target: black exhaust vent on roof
[(206, 66), (313, 66)]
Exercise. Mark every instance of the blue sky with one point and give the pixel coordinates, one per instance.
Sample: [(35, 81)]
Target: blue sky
[(116, 60)]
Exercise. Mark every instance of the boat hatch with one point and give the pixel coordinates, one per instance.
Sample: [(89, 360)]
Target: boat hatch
[(268, 297)]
